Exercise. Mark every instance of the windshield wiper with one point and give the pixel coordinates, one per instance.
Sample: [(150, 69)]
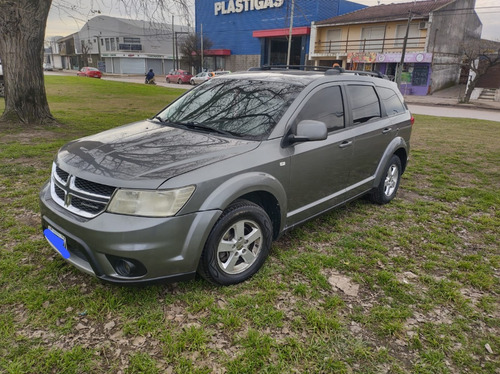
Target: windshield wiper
[(159, 119), (200, 126)]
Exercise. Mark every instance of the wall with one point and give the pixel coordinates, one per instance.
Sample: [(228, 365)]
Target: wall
[(241, 62), (449, 26), (234, 30)]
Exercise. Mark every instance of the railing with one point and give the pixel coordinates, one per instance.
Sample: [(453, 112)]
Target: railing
[(369, 45)]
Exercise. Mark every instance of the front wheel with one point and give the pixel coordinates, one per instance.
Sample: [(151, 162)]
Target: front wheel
[(168, 80), (238, 244), (389, 184), (179, 81)]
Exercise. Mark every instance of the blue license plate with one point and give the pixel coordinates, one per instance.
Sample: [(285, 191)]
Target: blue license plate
[(57, 240)]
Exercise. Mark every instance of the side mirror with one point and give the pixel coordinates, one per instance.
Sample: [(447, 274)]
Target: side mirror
[(308, 131)]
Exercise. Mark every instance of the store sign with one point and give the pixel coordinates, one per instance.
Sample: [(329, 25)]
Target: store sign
[(238, 6), (409, 57)]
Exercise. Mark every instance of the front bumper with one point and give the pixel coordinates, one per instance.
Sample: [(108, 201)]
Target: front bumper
[(168, 248)]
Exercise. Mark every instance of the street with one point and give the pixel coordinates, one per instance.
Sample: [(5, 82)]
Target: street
[(453, 111)]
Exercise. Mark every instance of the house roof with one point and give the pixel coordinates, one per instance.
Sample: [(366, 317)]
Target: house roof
[(387, 12)]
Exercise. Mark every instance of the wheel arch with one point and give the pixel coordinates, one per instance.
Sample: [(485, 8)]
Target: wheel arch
[(260, 188), (397, 147)]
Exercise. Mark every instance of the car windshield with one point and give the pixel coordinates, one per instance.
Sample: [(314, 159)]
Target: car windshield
[(243, 108), (93, 69)]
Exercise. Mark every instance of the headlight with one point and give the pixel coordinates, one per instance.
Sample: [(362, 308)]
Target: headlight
[(157, 203)]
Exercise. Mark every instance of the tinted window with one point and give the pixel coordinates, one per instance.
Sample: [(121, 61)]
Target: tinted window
[(392, 103), (326, 106), (246, 108), (364, 103)]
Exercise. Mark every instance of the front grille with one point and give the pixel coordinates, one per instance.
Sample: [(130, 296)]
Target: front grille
[(94, 188), (82, 197)]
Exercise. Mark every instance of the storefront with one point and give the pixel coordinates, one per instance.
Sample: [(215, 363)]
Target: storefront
[(416, 75), (256, 32), (136, 63)]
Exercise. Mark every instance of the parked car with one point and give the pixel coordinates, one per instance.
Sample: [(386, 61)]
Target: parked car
[(210, 181), (89, 72), (206, 75), (179, 76), (47, 66), (200, 77)]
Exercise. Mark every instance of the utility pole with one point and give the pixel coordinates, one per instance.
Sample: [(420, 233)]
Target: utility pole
[(400, 66), (201, 31), (290, 34), (173, 43)]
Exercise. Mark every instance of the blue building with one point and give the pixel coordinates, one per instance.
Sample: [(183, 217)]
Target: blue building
[(248, 33)]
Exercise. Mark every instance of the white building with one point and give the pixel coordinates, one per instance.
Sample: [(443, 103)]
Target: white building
[(123, 46)]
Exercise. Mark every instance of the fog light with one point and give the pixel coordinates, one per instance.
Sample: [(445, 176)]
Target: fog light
[(127, 267)]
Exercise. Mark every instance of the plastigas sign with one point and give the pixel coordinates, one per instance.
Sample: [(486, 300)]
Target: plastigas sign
[(238, 6)]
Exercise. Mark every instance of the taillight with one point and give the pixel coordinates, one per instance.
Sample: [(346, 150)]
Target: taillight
[(412, 120)]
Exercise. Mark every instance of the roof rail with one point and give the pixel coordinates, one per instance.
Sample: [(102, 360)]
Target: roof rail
[(294, 67), (338, 70)]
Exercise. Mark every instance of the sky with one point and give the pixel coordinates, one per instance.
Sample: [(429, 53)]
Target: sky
[(68, 16)]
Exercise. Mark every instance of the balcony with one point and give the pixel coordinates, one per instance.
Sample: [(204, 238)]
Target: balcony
[(343, 47)]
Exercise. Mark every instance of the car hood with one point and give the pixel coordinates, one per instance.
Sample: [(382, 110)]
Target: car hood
[(145, 154)]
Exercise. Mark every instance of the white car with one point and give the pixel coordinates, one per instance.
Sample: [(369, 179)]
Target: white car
[(206, 75), (201, 77)]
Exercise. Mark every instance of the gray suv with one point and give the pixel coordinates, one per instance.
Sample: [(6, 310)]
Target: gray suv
[(208, 183)]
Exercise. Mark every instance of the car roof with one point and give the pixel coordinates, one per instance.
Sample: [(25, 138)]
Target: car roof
[(304, 77)]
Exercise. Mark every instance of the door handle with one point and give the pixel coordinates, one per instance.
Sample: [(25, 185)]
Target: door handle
[(345, 143), (386, 130)]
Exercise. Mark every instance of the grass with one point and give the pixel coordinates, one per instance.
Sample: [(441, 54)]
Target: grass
[(426, 266)]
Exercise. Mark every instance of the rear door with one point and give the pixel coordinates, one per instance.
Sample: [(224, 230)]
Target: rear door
[(373, 133)]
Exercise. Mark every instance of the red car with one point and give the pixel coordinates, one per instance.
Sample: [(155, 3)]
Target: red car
[(89, 72), (179, 76)]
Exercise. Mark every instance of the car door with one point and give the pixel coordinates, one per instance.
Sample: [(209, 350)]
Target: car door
[(319, 169), (373, 133)]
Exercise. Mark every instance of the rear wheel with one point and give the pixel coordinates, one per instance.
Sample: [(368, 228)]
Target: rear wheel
[(168, 80), (179, 81), (389, 184), (237, 245)]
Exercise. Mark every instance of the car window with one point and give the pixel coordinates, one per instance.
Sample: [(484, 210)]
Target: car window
[(364, 103), (392, 103), (326, 106), (244, 108)]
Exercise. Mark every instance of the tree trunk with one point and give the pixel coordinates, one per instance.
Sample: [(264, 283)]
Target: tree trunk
[(22, 31), (470, 88)]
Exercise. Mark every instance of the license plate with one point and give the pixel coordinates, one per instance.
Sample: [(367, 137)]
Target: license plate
[(57, 240)]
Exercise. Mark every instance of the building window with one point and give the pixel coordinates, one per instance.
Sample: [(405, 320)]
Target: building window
[(413, 32), (333, 39), (372, 38), (113, 46), (107, 44)]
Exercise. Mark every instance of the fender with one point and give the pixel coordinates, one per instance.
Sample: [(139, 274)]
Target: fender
[(396, 144), (243, 184)]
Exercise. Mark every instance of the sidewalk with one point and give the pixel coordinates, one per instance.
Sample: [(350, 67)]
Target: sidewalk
[(450, 97)]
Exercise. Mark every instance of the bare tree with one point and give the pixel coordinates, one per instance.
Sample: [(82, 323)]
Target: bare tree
[(22, 29), (190, 49), (480, 56), (86, 48)]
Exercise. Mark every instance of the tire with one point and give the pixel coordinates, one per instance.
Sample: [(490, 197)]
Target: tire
[(179, 81), (238, 244), (389, 183), (168, 80)]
